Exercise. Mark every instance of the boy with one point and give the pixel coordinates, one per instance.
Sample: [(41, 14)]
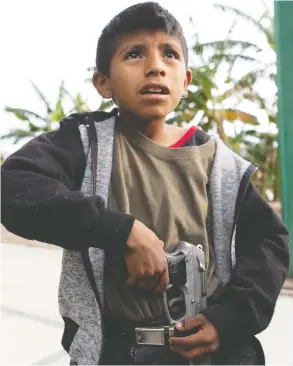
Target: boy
[(153, 185)]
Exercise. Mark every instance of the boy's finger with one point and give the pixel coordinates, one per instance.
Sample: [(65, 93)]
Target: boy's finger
[(149, 283), (194, 340), (191, 322), (163, 281), (133, 281)]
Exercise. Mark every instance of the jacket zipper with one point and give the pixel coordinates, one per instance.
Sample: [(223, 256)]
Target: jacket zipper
[(85, 255)]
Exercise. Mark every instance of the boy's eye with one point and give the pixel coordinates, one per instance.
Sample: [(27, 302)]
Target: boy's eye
[(132, 54), (171, 54)]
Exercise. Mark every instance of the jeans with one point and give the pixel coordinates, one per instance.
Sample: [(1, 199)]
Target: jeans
[(119, 353)]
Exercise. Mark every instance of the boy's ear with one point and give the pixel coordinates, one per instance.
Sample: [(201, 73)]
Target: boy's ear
[(187, 81), (102, 84)]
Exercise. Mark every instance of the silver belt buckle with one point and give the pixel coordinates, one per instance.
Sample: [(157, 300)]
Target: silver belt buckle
[(153, 336)]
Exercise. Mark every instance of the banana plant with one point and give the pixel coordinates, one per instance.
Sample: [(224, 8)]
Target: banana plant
[(207, 102), (35, 123), (257, 146)]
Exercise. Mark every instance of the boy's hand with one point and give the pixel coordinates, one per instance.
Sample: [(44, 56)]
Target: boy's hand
[(204, 342), (146, 261)]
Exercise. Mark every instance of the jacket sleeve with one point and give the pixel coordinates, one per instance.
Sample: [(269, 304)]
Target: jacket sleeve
[(246, 304), (41, 197)]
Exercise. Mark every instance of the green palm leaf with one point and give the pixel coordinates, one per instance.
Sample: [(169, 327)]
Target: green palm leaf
[(24, 114), (231, 58), (18, 134), (106, 104), (256, 22), (226, 44), (41, 96), (203, 77), (58, 112), (61, 91), (50, 121)]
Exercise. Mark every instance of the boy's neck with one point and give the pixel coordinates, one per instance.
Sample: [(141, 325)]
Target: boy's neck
[(156, 130)]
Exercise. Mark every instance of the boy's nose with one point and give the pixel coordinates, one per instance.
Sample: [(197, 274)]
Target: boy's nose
[(155, 67), (156, 72)]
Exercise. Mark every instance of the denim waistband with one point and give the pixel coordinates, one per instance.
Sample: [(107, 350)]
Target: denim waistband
[(117, 352)]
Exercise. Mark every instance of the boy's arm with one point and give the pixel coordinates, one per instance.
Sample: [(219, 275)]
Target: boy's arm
[(246, 304), (41, 199)]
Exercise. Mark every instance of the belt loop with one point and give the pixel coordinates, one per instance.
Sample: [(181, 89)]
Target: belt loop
[(166, 336)]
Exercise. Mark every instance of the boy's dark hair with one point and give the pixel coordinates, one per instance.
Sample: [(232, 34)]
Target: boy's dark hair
[(148, 15)]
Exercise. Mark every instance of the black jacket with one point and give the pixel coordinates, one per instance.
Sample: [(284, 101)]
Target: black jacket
[(41, 200)]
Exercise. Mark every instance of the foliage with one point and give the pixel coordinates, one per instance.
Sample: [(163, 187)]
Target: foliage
[(35, 123), (253, 144)]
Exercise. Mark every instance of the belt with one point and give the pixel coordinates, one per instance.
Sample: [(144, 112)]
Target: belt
[(148, 334), (152, 333), (139, 344)]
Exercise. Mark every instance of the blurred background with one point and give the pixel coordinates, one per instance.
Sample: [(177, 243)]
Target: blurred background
[(49, 56)]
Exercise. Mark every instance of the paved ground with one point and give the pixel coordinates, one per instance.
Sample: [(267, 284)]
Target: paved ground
[(30, 324)]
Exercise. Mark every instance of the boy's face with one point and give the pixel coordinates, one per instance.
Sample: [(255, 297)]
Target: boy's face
[(148, 75)]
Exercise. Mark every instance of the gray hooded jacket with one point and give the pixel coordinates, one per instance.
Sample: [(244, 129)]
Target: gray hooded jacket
[(77, 300)]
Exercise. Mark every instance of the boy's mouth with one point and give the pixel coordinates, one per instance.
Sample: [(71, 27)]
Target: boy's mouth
[(154, 89)]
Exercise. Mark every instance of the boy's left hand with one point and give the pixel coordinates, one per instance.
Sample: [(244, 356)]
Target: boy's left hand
[(204, 342)]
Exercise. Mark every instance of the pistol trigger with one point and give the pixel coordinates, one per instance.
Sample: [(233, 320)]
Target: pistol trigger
[(201, 262)]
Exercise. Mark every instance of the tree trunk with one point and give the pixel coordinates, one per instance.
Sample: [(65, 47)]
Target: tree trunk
[(221, 130)]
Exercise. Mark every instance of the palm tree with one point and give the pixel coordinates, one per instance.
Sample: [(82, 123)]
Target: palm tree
[(260, 68), (35, 123)]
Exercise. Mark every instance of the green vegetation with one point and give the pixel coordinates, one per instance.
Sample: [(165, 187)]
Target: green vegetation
[(35, 123)]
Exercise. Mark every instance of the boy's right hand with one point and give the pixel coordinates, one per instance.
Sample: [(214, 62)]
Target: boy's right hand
[(146, 260)]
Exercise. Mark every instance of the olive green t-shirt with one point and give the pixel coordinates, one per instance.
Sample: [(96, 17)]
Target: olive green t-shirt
[(166, 189)]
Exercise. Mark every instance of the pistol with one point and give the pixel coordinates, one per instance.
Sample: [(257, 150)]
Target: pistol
[(184, 296)]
